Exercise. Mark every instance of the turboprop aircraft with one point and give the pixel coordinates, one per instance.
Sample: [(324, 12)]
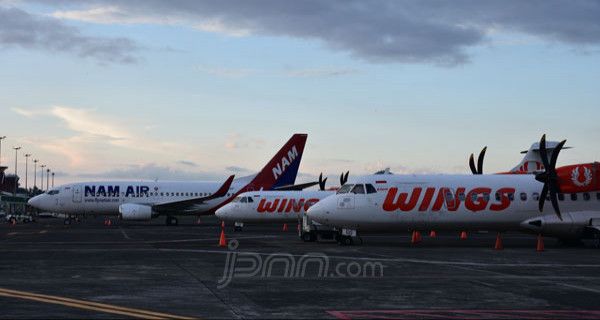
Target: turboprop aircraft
[(273, 206), (501, 202), (289, 206), (135, 200)]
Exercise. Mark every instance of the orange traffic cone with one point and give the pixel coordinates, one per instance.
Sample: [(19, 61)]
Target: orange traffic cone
[(463, 235), (222, 240), (540, 243), (285, 227), (416, 237), (498, 245), (432, 234), (109, 223)]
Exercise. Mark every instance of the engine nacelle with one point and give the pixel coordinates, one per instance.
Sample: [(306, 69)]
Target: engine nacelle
[(132, 211), (571, 227)]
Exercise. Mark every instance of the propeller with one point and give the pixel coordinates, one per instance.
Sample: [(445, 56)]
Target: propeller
[(549, 177), (322, 182), (344, 178), (479, 168)]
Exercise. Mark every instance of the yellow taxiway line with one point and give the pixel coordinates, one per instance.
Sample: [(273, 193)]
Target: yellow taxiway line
[(88, 305)]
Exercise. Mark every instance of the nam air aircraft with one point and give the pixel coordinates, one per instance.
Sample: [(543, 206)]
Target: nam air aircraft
[(499, 202), (135, 200)]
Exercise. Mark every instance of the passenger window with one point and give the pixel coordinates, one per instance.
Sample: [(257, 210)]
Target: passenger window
[(586, 196), (535, 196), (561, 196), (498, 196), (370, 188), (250, 200), (511, 196), (523, 196), (461, 196), (358, 189), (573, 196), (486, 196)]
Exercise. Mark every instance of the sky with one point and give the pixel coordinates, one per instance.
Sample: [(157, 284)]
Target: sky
[(194, 90)]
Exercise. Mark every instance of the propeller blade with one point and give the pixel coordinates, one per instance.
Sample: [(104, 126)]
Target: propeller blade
[(543, 197), (554, 200), (472, 164), (544, 152), (555, 154), (346, 176), (321, 184), (480, 160), (342, 179), (323, 187)]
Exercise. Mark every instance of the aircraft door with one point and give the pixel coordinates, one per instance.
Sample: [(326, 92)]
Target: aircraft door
[(77, 193)]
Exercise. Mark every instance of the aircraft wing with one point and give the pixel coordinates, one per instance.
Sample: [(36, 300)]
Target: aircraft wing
[(296, 187), (184, 204)]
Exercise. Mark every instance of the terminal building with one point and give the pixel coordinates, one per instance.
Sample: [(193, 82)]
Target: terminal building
[(13, 200)]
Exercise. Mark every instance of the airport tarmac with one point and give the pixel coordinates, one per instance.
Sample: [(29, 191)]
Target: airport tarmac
[(88, 270)]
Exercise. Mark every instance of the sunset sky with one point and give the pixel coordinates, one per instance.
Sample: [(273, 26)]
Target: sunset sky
[(202, 89)]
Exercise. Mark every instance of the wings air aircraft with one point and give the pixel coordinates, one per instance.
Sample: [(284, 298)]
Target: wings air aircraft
[(501, 202)]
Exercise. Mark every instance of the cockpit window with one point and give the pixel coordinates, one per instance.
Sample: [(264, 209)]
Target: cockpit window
[(250, 200), (244, 199), (52, 192), (345, 188), (370, 188), (359, 189)]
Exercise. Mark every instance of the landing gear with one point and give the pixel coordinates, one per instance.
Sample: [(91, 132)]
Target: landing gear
[(309, 236), (238, 227), (171, 221), (347, 236)]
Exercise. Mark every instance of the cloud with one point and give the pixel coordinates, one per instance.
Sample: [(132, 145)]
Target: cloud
[(237, 169), (439, 32), (21, 29), (237, 141), (319, 72), (153, 171), (187, 163)]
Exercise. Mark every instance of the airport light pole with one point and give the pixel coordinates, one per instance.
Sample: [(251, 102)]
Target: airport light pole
[(35, 161), (48, 179), (1, 138), (42, 177), (52, 179), (27, 155), (16, 153)]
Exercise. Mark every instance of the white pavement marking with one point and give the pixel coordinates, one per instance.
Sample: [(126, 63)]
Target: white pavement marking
[(124, 233)]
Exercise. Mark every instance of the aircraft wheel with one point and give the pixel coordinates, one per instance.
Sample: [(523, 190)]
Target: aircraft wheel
[(308, 237), (171, 221), (346, 241)]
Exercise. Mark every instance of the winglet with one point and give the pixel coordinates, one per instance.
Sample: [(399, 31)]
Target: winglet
[(224, 188)]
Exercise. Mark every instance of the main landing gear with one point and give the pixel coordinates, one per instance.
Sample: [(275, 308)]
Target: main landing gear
[(171, 221), (347, 237), (238, 226)]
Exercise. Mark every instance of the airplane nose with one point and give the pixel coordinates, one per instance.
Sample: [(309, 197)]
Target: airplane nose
[(318, 212), (34, 202), (221, 213)]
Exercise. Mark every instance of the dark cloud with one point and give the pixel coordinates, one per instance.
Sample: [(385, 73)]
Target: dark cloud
[(383, 30), (22, 29)]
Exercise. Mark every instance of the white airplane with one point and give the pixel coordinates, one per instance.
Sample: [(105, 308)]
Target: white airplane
[(144, 200), (500, 202), (273, 206), (290, 206)]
